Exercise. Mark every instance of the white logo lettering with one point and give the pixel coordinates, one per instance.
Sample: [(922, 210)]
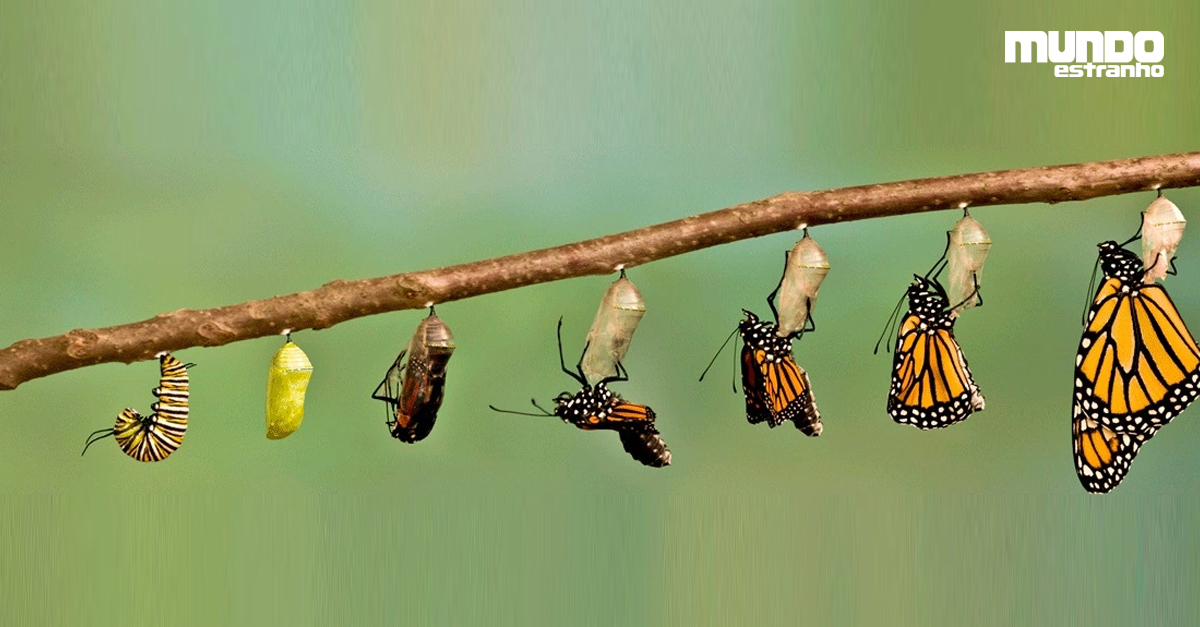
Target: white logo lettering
[(1112, 53)]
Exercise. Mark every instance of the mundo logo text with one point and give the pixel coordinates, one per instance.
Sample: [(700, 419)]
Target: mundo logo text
[(1114, 53)]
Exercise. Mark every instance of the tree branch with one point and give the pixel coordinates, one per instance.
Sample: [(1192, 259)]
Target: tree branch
[(340, 300)]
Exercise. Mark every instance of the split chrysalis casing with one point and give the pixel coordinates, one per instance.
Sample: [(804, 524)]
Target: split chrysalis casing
[(413, 387), (967, 249), (1162, 229), (621, 309), (806, 268)]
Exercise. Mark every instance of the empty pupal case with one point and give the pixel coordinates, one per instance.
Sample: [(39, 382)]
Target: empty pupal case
[(806, 268), (621, 309)]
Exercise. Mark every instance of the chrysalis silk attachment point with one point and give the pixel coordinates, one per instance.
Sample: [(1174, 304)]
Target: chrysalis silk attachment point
[(967, 250), (806, 268), (287, 382), (1162, 229), (413, 388), (621, 310)]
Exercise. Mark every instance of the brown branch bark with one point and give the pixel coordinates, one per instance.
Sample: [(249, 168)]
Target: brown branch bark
[(340, 300)]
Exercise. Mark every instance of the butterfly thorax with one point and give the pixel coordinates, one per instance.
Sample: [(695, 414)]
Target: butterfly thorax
[(588, 402), (931, 307), (760, 335), (1118, 263)]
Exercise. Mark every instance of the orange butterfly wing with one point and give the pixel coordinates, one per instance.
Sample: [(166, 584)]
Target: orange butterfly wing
[(1137, 366), (1102, 456), (932, 386)]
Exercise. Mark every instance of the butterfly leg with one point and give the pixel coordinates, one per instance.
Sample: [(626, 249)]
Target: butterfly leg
[(775, 292), (622, 375), (563, 362), (1136, 236), (940, 264)]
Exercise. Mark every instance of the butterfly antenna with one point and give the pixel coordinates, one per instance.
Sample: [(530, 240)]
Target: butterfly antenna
[(714, 359), (887, 326), (523, 413), (1087, 304)]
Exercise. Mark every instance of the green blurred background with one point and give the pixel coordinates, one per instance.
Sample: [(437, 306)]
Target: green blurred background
[(153, 158)]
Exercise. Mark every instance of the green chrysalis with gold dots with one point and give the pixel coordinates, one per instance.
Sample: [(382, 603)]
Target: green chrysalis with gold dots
[(287, 384)]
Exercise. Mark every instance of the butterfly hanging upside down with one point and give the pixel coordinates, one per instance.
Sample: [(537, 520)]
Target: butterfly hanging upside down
[(777, 389), (932, 386), (595, 407), (1137, 367)]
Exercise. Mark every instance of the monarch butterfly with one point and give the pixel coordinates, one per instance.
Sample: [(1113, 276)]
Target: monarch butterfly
[(287, 382), (1162, 229), (776, 388), (1137, 367), (152, 438), (932, 385), (621, 309), (804, 271), (413, 389), (595, 407)]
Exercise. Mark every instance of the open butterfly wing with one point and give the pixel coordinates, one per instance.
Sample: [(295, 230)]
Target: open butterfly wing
[(932, 385), (1137, 366)]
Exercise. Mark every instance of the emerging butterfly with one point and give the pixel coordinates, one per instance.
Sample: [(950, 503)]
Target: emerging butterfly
[(595, 407), (932, 385), (1137, 367), (776, 388)]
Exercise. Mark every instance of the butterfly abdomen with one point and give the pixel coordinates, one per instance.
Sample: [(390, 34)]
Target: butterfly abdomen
[(646, 447)]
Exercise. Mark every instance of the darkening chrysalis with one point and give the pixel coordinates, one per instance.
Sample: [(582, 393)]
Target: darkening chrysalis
[(966, 250), (621, 309), (413, 388), (793, 300), (287, 383), (1162, 229)]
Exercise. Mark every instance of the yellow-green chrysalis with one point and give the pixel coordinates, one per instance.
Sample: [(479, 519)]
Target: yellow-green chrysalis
[(621, 309), (287, 381)]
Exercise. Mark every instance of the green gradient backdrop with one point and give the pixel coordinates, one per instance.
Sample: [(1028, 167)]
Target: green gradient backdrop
[(272, 148)]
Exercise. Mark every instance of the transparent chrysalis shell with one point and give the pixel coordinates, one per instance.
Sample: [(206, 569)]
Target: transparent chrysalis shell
[(413, 388), (287, 382), (966, 251), (621, 310), (806, 268), (1162, 229)]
